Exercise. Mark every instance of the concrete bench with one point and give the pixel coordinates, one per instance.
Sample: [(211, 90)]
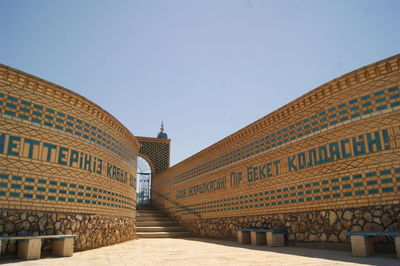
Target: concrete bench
[(29, 246), (362, 244), (273, 238)]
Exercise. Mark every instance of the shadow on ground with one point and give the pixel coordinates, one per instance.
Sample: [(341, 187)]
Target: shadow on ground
[(200, 251), (328, 254)]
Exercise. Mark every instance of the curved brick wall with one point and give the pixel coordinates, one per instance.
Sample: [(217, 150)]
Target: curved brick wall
[(66, 165), (320, 166)]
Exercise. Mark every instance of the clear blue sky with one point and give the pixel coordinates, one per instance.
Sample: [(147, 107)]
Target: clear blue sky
[(207, 68)]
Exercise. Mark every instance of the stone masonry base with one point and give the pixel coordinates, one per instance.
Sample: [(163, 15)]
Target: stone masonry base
[(92, 230), (316, 229)]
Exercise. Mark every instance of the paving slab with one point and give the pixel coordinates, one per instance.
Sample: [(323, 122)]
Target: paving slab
[(198, 251)]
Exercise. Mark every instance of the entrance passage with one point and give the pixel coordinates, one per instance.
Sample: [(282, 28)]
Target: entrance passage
[(143, 183)]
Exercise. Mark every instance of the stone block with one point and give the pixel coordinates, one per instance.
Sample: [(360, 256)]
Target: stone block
[(275, 240), (362, 246), (63, 247), (29, 249), (258, 238), (397, 244), (243, 237), (3, 247)]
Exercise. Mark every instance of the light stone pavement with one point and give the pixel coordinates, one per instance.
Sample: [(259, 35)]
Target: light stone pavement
[(197, 251)]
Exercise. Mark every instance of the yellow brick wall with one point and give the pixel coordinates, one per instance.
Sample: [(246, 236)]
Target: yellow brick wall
[(335, 147), (60, 152)]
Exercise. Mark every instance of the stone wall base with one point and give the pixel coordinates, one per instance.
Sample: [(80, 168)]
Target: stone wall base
[(92, 230), (317, 229)]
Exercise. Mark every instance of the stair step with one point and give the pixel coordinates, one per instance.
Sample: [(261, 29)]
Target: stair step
[(153, 223), (153, 210), (159, 229), (153, 218), (151, 214), (163, 234), (156, 223), (146, 208)]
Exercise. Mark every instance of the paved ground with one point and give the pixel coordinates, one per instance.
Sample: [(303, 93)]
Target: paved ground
[(196, 251)]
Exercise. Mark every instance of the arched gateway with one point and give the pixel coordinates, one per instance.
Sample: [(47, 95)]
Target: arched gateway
[(153, 159)]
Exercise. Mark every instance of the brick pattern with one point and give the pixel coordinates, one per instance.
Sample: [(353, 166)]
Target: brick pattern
[(156, 151), (335, 147), (60, 152), (40, 116), (356, 108)]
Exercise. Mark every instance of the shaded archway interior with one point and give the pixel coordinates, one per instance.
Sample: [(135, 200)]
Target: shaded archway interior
[(143, 182)]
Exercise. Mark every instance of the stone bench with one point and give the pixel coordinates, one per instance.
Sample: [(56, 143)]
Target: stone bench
[(273, 238), (362, 244), (29, 246)]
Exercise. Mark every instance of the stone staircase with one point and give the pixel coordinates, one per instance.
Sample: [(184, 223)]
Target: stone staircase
[(154, 223)]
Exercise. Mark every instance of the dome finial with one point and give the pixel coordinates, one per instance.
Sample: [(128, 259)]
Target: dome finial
[(162, 126), (162, 134)]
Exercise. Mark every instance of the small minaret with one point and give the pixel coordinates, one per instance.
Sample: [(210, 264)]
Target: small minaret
[(162, 134)]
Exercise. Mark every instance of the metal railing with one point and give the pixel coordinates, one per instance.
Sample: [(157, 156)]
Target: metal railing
[(143, 198), (177, 204), (143, 194)]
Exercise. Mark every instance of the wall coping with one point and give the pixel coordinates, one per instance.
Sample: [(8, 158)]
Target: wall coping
[(153, 139)]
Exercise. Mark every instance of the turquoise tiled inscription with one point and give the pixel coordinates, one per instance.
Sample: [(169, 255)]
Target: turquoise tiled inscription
[(26, 110), (361, 105), (353, 184)]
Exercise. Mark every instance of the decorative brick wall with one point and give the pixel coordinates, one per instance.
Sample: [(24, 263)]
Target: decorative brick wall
[(334, 149), (156, 152), (62, 154)]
